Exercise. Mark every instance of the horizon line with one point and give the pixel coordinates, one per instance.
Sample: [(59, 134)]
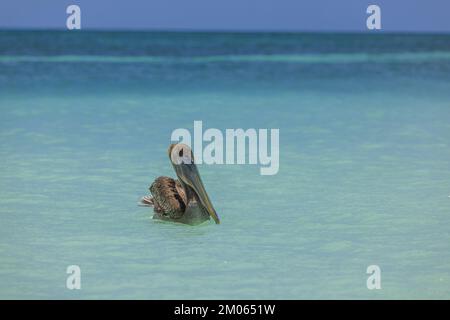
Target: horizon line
[(238, 31)]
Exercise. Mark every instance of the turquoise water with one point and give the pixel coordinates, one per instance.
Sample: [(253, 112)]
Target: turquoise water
[(364, 175)]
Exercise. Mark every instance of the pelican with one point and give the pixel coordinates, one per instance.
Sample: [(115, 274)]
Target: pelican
[(184, 200)]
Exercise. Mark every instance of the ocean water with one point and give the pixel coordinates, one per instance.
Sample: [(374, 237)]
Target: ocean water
[(364, 178)]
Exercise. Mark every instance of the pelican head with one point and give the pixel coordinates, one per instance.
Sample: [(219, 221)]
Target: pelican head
[(182, 160)]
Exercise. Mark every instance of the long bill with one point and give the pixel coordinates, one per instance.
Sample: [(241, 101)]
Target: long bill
[(190, 175)]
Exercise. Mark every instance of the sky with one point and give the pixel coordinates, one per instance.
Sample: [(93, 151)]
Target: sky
[(228, 15)]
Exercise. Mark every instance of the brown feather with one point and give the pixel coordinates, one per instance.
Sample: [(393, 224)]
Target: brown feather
[(168, 197)]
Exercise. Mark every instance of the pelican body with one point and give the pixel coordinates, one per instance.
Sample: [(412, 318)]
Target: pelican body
[(184, 200)]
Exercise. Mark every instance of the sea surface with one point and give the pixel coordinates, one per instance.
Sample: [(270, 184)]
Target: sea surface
[(364, 178)]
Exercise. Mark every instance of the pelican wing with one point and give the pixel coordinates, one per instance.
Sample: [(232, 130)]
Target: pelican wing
[(168, 197)]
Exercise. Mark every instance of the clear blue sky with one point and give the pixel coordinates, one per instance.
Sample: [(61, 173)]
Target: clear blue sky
[(240, 15)]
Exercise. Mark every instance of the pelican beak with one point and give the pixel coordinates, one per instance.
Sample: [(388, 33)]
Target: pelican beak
[(189, 174)]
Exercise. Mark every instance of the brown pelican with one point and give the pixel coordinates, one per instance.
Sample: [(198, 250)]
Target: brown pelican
[(184, 200)]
